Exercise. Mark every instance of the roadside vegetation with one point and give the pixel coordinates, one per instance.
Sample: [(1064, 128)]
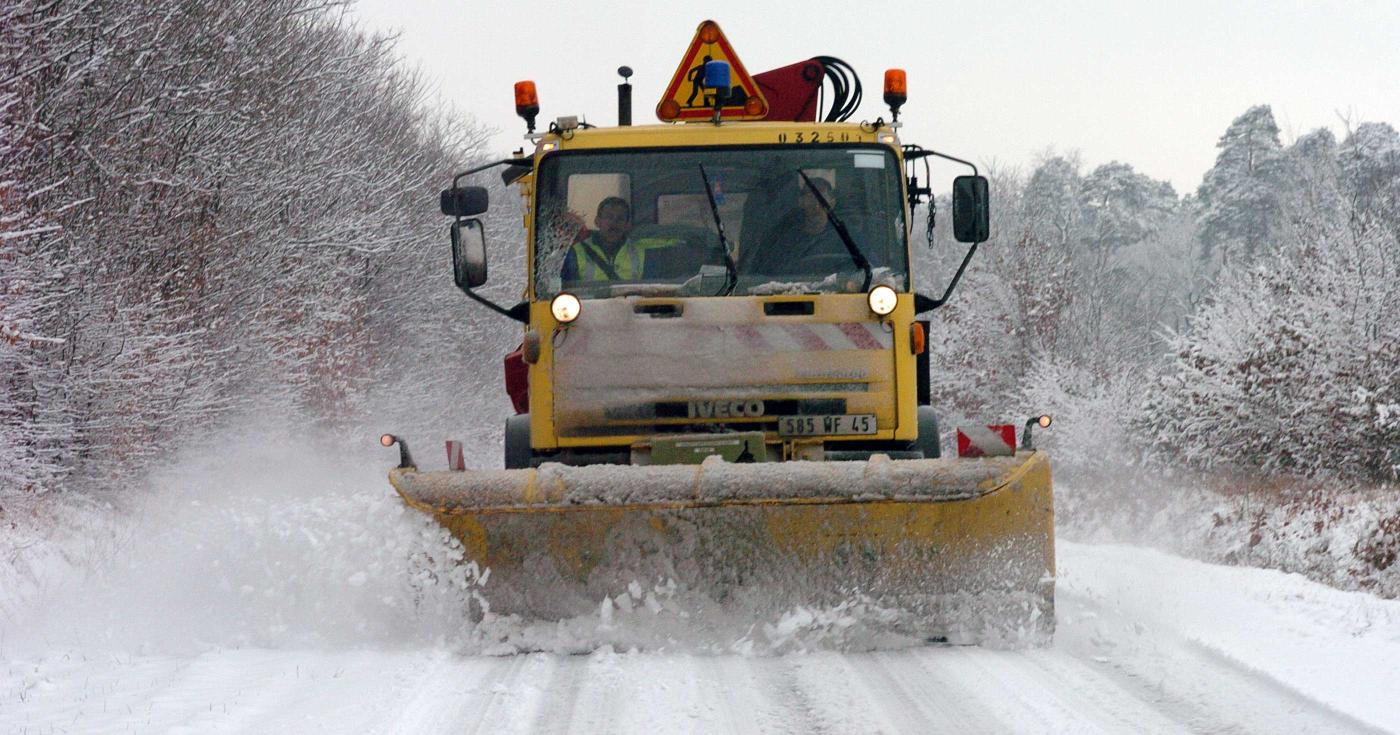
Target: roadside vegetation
[(1223, 366), (212, 209)]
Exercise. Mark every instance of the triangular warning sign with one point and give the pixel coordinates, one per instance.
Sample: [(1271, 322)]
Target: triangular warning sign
[(687, 97)]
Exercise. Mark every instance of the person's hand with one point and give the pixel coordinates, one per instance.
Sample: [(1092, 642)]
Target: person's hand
[(574, 223)]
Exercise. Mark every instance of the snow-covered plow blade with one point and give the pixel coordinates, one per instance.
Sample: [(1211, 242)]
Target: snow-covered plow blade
[(960, 549)]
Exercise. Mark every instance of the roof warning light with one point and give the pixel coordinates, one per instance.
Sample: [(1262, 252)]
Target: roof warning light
[(527, 103), (896, 90)]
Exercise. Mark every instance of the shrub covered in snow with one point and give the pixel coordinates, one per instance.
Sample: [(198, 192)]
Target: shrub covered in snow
[(1293, 365), (211, 207), (1251, 325)]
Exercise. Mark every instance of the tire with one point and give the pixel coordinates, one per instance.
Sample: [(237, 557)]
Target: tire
[(518, 451), (928, 441)]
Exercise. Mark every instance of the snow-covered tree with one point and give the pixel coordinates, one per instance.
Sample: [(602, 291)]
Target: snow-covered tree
[(1072, 276), (1239, 197), (1121, 206), (1369, 160), (198, 199), (1051, 202), (1294, 366)]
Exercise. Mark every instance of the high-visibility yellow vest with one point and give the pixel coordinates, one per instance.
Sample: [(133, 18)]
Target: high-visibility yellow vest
[(628, 262)]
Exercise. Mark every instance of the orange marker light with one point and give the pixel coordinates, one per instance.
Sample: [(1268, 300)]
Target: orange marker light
[(526, 101), (895, 83), (917, 340), (669, 110), (754, 106), (709, 32), (896, 90)]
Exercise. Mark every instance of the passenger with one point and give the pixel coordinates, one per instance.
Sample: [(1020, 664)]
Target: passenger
[(607, 254), (803, 236)]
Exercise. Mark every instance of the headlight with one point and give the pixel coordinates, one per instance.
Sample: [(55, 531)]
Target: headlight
[(565, 308), (882, 300)]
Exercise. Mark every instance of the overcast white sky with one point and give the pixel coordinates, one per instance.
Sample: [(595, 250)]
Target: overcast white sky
[(1151, 84)]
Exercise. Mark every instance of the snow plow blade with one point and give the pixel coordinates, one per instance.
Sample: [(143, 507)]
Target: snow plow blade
[(953, 549)]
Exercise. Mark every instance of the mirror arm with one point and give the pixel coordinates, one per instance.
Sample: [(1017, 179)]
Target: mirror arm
[(922, 152), (924, 303), (523, 161), (520, 312)]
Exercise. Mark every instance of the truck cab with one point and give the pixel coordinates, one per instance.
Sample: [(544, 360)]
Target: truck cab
[(723, 284), (744, 329)]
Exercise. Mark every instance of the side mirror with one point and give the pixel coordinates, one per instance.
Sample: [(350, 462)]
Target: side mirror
[(468, 253), (971, 212), (464, 201)]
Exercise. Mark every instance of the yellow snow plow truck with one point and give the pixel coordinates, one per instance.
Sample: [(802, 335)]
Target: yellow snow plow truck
[(723, 380)]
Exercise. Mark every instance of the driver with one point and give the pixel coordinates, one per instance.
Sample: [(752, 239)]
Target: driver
[(803, 235), (608, 254)]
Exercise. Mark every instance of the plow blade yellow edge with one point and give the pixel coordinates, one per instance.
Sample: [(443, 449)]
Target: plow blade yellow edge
[(956, 549)]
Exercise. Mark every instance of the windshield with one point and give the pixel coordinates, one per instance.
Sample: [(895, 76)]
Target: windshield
[(617, 223)]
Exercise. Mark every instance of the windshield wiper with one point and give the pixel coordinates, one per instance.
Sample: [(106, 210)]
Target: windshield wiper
[(729, 266), (857, 256)]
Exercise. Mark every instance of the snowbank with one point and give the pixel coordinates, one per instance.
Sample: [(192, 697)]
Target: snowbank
[(1339, 534)]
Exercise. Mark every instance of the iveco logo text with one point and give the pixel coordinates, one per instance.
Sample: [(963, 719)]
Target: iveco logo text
[(725, 409)]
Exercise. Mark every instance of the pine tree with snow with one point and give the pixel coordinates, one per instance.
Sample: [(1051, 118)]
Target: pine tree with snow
[(1370, 165), (1121, 206), (1239, 196)]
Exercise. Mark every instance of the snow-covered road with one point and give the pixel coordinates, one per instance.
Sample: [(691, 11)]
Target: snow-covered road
[(1146, 643)]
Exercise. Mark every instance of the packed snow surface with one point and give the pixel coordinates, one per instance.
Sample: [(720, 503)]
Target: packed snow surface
[(262, 593)]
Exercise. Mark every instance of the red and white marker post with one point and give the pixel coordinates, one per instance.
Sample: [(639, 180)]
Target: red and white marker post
[(995, 440), (454, 456)]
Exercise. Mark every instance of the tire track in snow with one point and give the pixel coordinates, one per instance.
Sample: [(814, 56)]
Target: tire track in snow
[(634, 693), (748, 705), (936, 703), (777, 678), (980, 690), (1300, 652), (835, 696), (517, 700), (439, 697), (1302, 713), (1045, 684), (608, 692), (562, 689), (1190, 682)]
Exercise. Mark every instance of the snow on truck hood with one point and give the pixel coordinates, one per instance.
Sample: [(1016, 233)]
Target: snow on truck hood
[(615, 361)]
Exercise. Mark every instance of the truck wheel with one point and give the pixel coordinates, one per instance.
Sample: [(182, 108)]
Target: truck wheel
[(518, 452), (928, 442)]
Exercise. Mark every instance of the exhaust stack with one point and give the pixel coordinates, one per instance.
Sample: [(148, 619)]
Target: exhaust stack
[(624, 97)]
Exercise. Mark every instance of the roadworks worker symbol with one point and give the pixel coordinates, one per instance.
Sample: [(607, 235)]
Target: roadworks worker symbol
[(687, 97)]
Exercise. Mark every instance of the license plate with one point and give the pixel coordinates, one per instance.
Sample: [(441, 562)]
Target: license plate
[(860, 423)]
